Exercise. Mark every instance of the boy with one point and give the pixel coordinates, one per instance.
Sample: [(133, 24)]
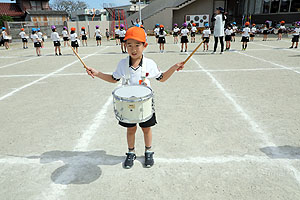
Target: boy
[(36, 42), (296, 34), (205, 36), (40, 35), (245, 36), (24, 39), (98, 35), (136, 44), (73, 38), (156, 32), (56, 40), (193, 33), (234, 29), (117, 37), (83, 35), (176, 33), (122, 33), (184, 36), (107, 34)]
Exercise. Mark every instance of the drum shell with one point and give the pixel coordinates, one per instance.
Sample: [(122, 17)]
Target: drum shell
[(133, 110)]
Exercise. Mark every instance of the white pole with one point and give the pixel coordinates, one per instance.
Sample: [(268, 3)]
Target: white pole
[(140, 11)]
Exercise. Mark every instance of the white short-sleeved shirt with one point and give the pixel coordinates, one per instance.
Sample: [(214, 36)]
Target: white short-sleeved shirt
[(55, 36), (246, 32), (194, 29), (64, 33), (4, 35), (163, 34), (35, 38), (282, 27), (296, 31), (253, 30), (156, 31), (152, 71), (98, 33), (122, 33), (117, 31), (206, 33), (22, 34), (73, 37), (234, 28), (40, 35), (176, 30), (228, 31), (185, 32), (83, 33)]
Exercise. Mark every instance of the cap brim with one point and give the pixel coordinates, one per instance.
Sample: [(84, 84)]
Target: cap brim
[(134, 38)]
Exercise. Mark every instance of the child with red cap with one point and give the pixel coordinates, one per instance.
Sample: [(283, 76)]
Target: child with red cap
[(193, 33), (73, 38), (24, 39), (162, 38), (245, 36), (135, 65), (83, 35)]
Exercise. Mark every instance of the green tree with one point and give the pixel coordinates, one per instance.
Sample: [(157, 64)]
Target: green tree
[(4, 18)]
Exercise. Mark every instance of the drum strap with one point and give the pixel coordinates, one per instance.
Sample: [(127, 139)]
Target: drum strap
[(143, 72)]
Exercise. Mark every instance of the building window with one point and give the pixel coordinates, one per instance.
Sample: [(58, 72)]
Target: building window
[(295, 6), (274, 6), (285, 6), (266, 6)]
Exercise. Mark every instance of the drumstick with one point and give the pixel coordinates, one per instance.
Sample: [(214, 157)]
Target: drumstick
[(194, 51), (84, 65)]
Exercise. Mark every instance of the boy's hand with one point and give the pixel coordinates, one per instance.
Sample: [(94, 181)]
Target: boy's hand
[(92, 72), (179, 66)]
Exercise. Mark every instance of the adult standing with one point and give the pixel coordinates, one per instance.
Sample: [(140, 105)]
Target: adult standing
[(219, 19)]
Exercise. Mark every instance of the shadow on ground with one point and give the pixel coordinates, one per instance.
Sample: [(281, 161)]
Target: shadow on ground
[(282, 152), (79, 167)]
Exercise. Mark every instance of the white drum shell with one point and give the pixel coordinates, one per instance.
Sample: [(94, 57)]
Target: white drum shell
[(133, 109)]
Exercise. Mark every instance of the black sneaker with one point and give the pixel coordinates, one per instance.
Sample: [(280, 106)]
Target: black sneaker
[(56, 54), (291, 47), (60, 54), (296, 47), (129, 160), (149, 162)]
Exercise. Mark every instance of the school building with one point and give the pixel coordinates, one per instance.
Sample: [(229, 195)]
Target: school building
[(179, 11)]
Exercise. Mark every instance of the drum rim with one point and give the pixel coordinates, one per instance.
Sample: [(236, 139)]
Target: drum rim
[(130, 98)]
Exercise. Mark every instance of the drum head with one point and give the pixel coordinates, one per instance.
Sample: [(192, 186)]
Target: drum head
[(132, 91)]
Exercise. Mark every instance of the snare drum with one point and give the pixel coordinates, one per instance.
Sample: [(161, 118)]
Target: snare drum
[(133, 104)]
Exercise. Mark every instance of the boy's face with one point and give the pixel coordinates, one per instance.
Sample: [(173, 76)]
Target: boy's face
[(135, 48)]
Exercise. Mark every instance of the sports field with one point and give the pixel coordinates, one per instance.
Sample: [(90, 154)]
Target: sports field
[(228, 125)]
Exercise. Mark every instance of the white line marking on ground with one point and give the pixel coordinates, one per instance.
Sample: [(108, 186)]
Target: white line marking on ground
[(56, 191), (267, 61), (42, 78), (19, 62), (255, 127), (276, 48)]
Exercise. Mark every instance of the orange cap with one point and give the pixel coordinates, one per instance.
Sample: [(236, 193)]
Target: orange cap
[(142, 26), (282, 22), (194, 24), (22, 29), (161, 26), (73, 29), (136, 33), (83, 27), (253, 24), (247, 23)]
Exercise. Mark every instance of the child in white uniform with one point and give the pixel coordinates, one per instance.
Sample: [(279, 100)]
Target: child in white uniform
[(176, 31), (36, 42), (73, 38), (161, 38), (296, 33), (122, 33), (117, 33), (235, 30), (156, 32), (24, 39), (228, 35), (56, 40), (98, 35), (83, 35), (4, 35), (136, 44), (245, 36), (193, 33), (253, 32), (205, 36), (281, 30), (184, 36), (40, 34), (65, 35)]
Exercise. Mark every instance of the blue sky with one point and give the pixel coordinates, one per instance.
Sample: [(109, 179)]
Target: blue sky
[(99, 3)]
